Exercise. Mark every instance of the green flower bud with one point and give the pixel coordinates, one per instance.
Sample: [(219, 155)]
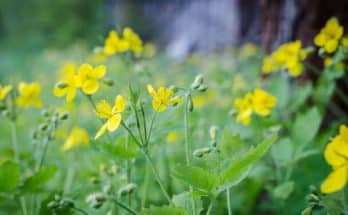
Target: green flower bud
[(190, 105), (197, 82), (127, 189), (202, 151), (43, 127), (202, 88), (96, 200), (108, 82), (64, 116), (62, 85), (45, 113)]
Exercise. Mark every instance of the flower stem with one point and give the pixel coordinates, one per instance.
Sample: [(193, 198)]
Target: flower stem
[(210, 206), (146, 185), (125, 207), (80, 210), (159, 181), (228, 201), (14, 140)]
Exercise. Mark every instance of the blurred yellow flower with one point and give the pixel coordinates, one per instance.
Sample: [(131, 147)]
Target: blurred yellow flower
[(162, 98), (134, 42), (336, 154), (172, 136), (29, 95), (4, 90), (199, 101), (248, 50), (239, 83), (258, 101), (288, 56), (77, 137), (263, 102), (328, 62), (113, 44), (244, 109), (68, 84), (112, 115), (87, 77), (149, 50), (329, 36)]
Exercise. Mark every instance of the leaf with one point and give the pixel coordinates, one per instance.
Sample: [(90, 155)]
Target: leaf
[(302, 155), (238, 169), (300, 96), (9, 176), (230, 144), (195, 176), (284, 190), (279, 87), (306, 127), (282, 152), (35, 182), (184, 200), (164, 210), (119, 149)]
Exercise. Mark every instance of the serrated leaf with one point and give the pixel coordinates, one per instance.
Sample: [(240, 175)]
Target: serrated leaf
[(164, 210), (306, 127), (35, 182), (184, 200), (283, 191), (195, 176), (9, 176), (238, 169)]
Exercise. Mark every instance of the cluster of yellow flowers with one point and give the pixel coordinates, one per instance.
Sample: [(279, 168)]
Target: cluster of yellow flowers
[(329, 36), (258, 101), (28, 94), (162, 98), (288, 56), (85, 78), (336, 154), (115, 44)]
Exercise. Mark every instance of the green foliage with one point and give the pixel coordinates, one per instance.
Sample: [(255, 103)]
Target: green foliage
[(9, 176), (35, 182), (168, 210), (184, 200)]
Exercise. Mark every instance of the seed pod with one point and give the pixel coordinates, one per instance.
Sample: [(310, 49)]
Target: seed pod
[(201, 152), (202, 88), (53, 205), (127, 189)]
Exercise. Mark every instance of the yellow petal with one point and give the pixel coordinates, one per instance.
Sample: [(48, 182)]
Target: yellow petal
[(151, 91), (158, 105), (120, 104), (59, 92), (98, 72), (335, 181), (114, 122), (103, 110), (101, 131), (175, 100), (70, 94), (331, 46), (90, 86)]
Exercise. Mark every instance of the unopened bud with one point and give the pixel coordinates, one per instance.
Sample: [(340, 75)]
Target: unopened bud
[(201, 152), (52, 205), (62, 85), (64, 116), (190, 106), (43, 127), (96, 200), (94, 180), (197, 82), (213, 132), (45, 113), (127, 189), (202, 88), (108, 82)]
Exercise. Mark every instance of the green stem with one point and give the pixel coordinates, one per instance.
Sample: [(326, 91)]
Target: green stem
[(210, 206), (14, 140), (131, 134), (151, 126), (125, 207), (80, 210), (187, 146), (228, 201), (146, 185), (129, 171), (158, 179)]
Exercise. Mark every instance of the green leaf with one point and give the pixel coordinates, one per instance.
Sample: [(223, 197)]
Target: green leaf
[(195, 176), (9, 176), (306, 127), (284, 190), (279, 87), (239, 168), (230, 144), (35, 182), (300, 96), (184, 200), (282, 152), (164, 210)]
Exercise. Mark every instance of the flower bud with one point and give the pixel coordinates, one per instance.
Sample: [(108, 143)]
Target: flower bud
[(43, 127), (62, 85), (213, 132), (127, 189), (64, 115), (197, 82), (190, 106), (96, 200), (52, 205), (202, 88), (108, 82), (201, 152)]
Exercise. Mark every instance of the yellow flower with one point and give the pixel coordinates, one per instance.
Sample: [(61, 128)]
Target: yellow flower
[(288, 56), (336, 154), (172, 136), (88, 77), (199, 101), (245, 109), (78, 136), (29, 95), (248, 50), (162, 98), (329, 36), (69, 83), (113, 44), (112, 115), (4, 90), (263, 102), (134, 41)]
